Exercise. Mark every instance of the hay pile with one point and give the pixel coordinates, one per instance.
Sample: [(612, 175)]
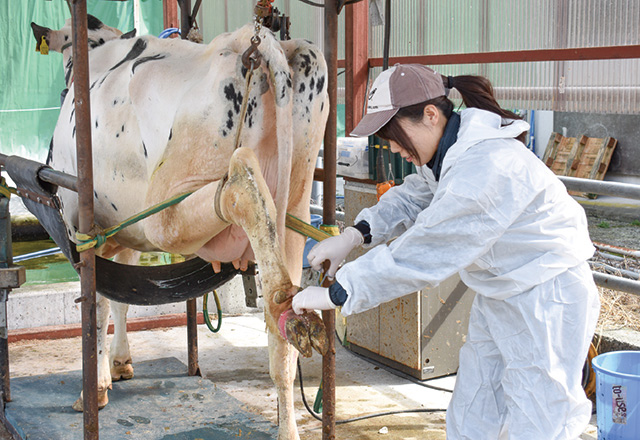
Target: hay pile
[(618, 309)]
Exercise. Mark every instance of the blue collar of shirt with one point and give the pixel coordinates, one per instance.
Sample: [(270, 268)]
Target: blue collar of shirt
[(449, 137)]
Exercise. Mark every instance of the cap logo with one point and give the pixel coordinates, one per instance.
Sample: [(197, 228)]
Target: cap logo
[(373, 91)]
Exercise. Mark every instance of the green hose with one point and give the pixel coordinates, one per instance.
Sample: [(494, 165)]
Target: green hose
[(205, 312)]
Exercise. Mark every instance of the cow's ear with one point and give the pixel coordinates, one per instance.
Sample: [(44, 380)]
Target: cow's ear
[(93, 23), (38, 33), (128, 35)]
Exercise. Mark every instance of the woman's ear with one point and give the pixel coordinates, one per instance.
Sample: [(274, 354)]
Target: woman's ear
[(432, 114)]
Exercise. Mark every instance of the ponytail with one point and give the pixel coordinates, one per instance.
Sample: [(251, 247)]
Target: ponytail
[(477, 91)]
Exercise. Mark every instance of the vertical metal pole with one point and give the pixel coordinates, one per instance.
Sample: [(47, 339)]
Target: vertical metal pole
[(192, 310), (85, 219), (387, 34), (192, 338), (6, 258), (185, 17), (329, 210), (356, 62)]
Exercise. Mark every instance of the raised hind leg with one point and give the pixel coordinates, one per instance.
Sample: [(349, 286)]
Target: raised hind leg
[(243, 200)]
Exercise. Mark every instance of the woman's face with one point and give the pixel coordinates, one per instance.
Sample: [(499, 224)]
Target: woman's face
[(424, 134)]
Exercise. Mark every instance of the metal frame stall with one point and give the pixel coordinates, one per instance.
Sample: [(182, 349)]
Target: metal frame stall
[(13, 276)]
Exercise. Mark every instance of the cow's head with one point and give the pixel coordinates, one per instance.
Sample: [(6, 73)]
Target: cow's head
[(60, 40)]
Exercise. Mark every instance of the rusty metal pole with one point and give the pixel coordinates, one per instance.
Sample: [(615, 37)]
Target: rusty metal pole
[(170, 14), (85, 218), (329, 211), (192, 338), (356, 48), (192, 309), (11, 277)]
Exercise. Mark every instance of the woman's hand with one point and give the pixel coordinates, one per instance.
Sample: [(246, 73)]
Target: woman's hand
[(312, 298), (335, 249)]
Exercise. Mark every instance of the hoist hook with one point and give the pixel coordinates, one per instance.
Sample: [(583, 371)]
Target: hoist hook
[(251, 58)]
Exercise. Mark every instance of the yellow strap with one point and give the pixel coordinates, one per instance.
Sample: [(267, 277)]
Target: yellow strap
[(301, 227)]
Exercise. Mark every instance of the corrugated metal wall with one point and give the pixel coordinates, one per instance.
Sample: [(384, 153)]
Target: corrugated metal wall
[(425, 27), (467, 26)]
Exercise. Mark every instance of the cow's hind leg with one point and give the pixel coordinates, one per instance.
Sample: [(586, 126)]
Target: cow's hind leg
[(243, 201), (282, 368), (119, 355), (120, 363)]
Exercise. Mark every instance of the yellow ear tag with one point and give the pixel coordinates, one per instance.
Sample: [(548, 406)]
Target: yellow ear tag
[(44, 47)]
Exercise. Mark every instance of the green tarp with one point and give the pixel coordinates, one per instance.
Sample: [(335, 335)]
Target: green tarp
[(31, 83)]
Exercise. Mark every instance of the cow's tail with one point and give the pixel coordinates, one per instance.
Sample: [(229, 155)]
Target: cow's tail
[(280, 76)]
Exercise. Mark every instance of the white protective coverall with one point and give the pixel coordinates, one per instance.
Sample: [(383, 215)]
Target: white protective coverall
[(500, 218)]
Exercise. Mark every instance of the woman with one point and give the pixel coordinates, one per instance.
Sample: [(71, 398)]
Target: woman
[(485, 207)]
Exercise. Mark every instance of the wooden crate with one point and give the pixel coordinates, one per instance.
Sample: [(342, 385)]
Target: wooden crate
[(564, 155), (593, 161)]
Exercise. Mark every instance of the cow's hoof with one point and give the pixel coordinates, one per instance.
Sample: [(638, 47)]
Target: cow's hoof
[(294, 329), (103, 399), (317, 333), (78, 405), (120, 370)]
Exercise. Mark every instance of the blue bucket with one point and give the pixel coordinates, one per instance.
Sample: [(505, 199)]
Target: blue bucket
[(618, 395), (316, 220)]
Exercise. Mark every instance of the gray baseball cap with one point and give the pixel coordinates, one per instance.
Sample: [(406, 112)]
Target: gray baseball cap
[(399, 86)]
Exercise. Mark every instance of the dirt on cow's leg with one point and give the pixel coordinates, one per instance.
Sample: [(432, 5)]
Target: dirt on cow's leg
[(245, 201)]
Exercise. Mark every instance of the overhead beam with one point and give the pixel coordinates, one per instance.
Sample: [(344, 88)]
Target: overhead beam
[(521, 56)]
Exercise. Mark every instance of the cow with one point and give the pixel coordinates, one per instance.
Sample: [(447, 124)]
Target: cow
[(164, 119)]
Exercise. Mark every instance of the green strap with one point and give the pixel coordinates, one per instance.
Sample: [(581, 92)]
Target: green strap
[(87, 241)]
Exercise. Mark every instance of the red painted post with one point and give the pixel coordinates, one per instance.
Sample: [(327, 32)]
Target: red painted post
[(170, 15), (356, 62)]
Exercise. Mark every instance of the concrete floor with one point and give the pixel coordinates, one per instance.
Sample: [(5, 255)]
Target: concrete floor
[(236, 360)]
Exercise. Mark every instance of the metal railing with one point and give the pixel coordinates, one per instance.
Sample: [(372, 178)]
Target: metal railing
[(616, 189)]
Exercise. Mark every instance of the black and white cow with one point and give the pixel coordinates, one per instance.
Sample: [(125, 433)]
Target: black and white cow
[(164, 117)]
